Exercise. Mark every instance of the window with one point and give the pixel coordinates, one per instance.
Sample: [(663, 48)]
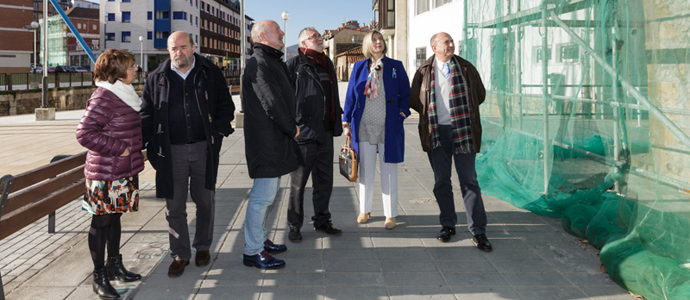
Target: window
[(95, 27), (111, 17), (149, 35), (162, 34), (126, 17), (388, 13), (420, 56), (196, 3), (191, 2), (441, 2), (196, 21), (539, 54), (126, 0), (78, 25), (109, 36), (421, 6), (149, 15), (162, 14), (126, 36), (569, 53), (179, 15), (191, 21)]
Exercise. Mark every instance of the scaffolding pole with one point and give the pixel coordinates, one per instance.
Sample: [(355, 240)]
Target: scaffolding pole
[(545, 86)]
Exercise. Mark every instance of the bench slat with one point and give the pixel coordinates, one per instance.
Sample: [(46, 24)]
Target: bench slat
[(37, 175), (13, 222), (17, 200)]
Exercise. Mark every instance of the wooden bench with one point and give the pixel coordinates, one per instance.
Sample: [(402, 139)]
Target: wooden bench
[(32, 195)]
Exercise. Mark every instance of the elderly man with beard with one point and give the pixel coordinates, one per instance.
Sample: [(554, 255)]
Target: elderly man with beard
[(319, 117), (186, 112)]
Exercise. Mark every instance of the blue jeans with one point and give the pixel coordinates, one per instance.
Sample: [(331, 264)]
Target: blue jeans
[(261, 197)]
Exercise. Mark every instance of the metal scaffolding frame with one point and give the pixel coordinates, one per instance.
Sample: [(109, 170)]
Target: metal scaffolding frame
[(545, 16)]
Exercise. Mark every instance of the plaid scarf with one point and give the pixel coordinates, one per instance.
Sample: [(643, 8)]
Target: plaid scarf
[(459, 113)]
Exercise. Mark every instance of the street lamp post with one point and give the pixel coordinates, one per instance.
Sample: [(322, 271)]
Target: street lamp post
[(141, 53), (285, 15), (34, 27)]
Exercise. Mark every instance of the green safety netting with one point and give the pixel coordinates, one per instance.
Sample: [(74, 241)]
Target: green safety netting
[(586, 119)]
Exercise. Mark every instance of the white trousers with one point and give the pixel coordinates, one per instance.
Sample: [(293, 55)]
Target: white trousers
[(389, 180)]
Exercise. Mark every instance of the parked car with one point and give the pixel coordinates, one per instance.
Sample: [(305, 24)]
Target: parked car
[(62, 69), (51, 69), (37, 70), (78, 69)]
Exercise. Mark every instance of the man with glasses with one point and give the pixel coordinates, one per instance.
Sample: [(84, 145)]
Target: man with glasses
[(319, 117), (186, 112)]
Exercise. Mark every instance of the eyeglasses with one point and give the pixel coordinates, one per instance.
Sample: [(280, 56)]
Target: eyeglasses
[(314, 36), (134, 67)]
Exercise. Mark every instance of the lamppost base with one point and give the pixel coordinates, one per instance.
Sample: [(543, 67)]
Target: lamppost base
[(239, 120), (45, 114)]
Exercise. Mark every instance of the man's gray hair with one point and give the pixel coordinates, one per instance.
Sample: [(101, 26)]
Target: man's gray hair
[(303, 33), (257, 29)]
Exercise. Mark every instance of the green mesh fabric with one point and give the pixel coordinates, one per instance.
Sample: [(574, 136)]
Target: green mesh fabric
[(586, 119)]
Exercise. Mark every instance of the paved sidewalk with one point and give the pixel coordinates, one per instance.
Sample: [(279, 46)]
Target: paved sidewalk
[(533, 257)]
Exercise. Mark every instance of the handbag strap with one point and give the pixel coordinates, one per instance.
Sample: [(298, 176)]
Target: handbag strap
[(348, 142)]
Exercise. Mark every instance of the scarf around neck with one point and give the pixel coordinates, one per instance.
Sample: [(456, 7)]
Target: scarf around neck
[(459, 109), (371, 89), (125, 92), (316, 58)]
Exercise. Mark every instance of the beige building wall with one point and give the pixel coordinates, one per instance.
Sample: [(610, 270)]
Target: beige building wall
[(669, 85)]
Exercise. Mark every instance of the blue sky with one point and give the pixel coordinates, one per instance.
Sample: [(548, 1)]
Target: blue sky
[(323, 14)]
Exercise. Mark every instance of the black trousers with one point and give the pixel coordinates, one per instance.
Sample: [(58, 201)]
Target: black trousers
[(441, 160), (318, 160)]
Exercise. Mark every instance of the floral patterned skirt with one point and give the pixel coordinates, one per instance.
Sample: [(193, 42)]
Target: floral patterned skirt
[(104, 197)]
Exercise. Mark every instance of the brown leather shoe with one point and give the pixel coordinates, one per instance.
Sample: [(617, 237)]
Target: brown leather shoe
[(177, 268), (202, 258)]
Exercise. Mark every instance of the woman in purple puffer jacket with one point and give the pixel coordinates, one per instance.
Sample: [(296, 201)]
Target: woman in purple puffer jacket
[(111, 130)]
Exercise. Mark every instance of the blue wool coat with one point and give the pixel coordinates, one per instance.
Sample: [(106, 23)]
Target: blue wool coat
[(397, 88)]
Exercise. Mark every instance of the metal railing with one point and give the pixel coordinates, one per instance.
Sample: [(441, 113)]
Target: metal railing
[(27, 81)]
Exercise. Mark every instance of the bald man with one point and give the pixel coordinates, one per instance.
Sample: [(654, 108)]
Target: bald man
[(186, 112), (269, 138), (446, 92)]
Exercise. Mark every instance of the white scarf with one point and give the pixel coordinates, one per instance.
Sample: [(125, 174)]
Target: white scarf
[(125, 92)]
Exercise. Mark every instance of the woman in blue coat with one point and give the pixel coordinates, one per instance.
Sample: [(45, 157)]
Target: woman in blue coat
[(376, 106)]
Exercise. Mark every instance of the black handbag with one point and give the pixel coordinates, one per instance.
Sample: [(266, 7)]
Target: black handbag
[(348, 161)]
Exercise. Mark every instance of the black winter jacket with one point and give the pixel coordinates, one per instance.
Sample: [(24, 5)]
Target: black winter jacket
[(269, 115), (215, 105), (311, 100)]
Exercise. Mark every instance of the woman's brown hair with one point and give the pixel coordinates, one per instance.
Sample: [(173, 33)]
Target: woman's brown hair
[(112, 65)]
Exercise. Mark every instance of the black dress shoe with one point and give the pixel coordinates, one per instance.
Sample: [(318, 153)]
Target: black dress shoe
[(116, 270), (328, 228), (202, 258), (177, 268), (270, 247), (263, 260), (445, 233), (482, 242), (294, 236)]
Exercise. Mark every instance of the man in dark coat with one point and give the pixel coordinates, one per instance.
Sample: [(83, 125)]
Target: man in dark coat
[(269, 138), (319, 118), (447, 92), (186, 112)]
